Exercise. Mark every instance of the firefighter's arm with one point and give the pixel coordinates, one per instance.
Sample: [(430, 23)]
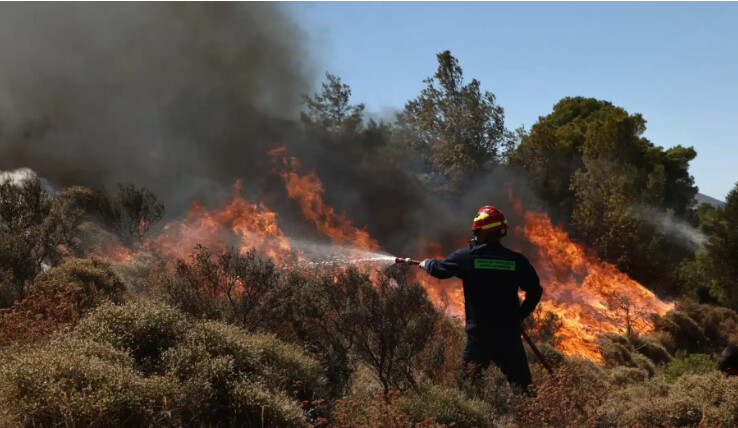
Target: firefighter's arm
[(451, 266), (531, 284)]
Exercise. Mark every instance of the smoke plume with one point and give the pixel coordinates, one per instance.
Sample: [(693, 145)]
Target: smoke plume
[(181, 98)]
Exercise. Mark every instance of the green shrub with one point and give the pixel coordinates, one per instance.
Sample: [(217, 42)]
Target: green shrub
[(144, 363), (446, 406), (688, 364), (275, 363), (77, 382), (145, 328)]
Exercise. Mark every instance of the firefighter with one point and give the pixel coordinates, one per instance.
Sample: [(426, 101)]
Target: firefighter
[(492, 275)]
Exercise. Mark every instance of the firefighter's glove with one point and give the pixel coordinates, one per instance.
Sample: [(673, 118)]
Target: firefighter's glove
[(424, 264)]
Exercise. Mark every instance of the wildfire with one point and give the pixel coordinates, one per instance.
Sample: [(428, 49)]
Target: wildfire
[(307, 190), (589, 295), (252, 226)]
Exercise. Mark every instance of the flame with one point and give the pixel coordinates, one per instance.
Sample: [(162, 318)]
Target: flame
[(250, 225), (307, 190), (590, 296)]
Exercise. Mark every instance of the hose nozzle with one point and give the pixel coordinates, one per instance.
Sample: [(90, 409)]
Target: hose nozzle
[(407, 260)]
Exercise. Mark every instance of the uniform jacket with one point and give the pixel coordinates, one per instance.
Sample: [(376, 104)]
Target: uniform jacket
[(491, 275)]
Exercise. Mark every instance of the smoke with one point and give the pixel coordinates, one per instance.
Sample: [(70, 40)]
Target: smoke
[(671, 226), (181, 98), (187, 98), (17, 176)]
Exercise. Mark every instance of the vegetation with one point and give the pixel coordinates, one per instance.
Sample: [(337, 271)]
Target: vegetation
[(226, 338)]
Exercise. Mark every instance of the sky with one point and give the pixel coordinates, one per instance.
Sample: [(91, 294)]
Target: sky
[(675, 63)]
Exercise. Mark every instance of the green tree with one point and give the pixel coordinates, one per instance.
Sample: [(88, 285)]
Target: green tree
[(330, 110), (589, 160), (35, 230), (722, 252), (458, 129)]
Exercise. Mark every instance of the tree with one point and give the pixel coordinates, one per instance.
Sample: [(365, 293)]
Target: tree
[(458, 129), (330, 109), (35, 230), (722, 252), (589, 160), (130, 212)]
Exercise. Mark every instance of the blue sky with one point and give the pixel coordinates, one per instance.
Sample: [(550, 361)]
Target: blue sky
[(676, 63)]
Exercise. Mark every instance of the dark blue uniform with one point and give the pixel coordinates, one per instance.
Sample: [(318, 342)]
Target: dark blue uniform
[(492, 275)]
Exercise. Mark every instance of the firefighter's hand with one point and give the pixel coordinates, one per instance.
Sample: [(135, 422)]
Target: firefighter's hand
[(424, 265)]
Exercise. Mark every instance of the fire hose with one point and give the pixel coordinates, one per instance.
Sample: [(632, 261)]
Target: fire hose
[(528, 340)]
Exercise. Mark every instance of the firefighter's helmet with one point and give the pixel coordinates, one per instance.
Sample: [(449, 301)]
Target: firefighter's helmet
[(489, 219)]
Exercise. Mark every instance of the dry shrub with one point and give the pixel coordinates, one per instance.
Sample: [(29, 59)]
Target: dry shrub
[(627, 375), (617, 350), (145, 329), (708, 400), (650, 347), (61, 297), (377, 410), (717, 322), (441, 358), (231, 286), (685, 331), (570, 398)]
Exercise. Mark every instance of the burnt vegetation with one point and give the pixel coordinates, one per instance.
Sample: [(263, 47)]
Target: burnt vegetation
[(225, 337)]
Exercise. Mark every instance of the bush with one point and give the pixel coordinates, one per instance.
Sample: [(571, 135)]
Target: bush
[(717, 323), (446, 406), (685, 331), (688, 364), (650, 347), (571, 398), (144, 363), (708, 400), (60, 297), (78, 382), (231, 286), (144, 328)]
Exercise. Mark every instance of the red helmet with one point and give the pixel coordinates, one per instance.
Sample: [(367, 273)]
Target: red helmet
[(489, 219)]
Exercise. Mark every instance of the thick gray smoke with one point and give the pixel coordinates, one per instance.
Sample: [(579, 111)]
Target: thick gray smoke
[(181, 98)]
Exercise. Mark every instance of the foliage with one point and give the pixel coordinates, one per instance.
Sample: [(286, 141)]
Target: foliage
[(571, 398), (458, 130), (229, 286), (688, 364), (588, 160), (130, 212), (59, 297), (145, 363), (330, 110), (722, 252), (707, 400), (447, 406), (35, 231)]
